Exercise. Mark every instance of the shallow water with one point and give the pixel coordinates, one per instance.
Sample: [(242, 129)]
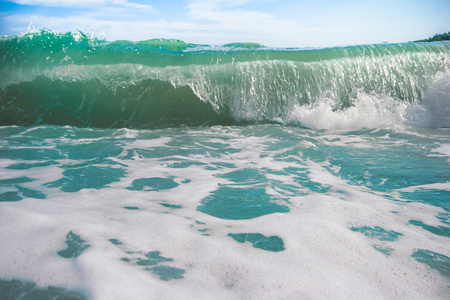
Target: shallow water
[(232, 212)]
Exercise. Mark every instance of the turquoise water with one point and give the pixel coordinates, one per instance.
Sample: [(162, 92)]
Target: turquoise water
[(71, 79), (166, 170)]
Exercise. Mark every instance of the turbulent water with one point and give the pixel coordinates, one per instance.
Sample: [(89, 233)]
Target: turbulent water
[(166, 170)]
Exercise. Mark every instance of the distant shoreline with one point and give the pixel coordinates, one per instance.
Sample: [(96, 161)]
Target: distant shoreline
[(437, 38)]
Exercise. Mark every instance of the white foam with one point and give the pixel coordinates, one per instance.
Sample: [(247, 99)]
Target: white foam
[(378, 111), (368, 111), (148, 143), (323, 258), (442, 150), (437, 102), (434, 186)]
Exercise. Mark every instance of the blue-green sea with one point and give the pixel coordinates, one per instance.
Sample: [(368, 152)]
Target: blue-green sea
[(166, 170)]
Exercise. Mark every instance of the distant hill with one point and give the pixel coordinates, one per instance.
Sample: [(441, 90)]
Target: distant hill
[(437, 37)]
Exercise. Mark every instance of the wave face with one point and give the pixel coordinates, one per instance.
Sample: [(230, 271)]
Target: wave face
[(72, 79)]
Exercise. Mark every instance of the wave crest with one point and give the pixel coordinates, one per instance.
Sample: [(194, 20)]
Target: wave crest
[(87, 79)]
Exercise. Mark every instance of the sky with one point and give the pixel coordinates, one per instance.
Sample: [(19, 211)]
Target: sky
[(273, 23)]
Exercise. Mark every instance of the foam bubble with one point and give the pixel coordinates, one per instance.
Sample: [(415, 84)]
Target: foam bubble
[(368, 111), (437, 102), (151, 242)]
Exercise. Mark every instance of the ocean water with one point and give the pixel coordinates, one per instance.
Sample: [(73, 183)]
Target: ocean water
[(166, 170)]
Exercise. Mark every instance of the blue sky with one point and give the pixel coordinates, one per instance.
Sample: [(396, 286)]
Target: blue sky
[(282, 23)]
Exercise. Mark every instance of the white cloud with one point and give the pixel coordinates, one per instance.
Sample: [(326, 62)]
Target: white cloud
[(229, 16), (226, 16), (213, 22), (84, 3), (91, 24)]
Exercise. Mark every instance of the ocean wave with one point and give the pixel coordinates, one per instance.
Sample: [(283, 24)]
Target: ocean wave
[(73, 79)]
